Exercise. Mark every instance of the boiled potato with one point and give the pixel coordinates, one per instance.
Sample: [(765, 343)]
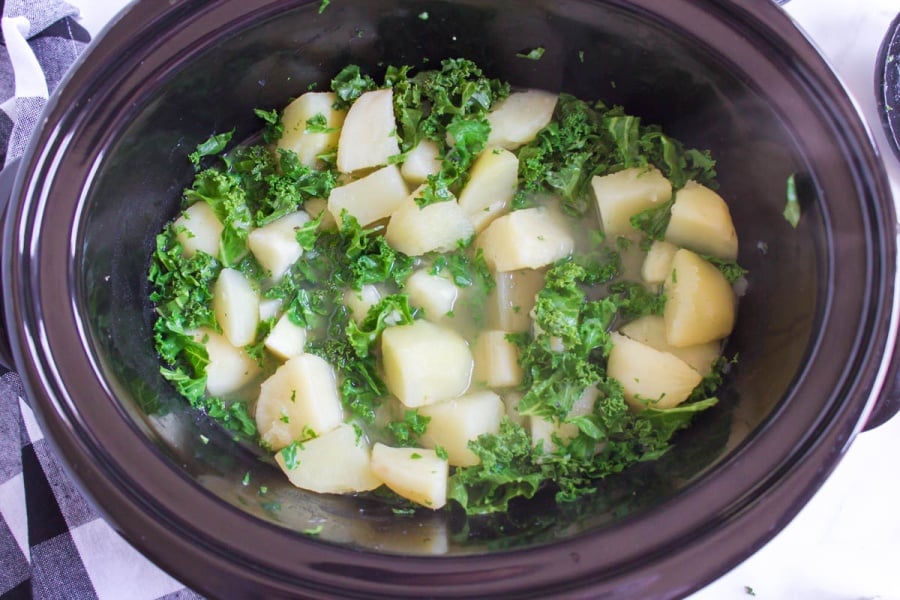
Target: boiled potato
[(454, 423), (433, 294), (425, 363), (650, 378), (286, 340), (360, 301), (511, 399), (269, 308), (199, 229), (421, 161), (369, 135), (658, 262), (525, 239), (626, 193), (275, 244), (229, 368), (336, 462), (296, 137), (496, 360), (543, 430), (437, 227), (416, 474), (702, 222), (491, 187), (700, 303), (317, 206), (371, 198), (236, 306), (512, 298), (517, 119), (299, 398), (651, 330)]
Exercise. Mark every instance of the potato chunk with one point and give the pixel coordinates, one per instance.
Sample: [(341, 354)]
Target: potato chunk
[(275, 244), (236, 306), (517, 119), (229, 368), (436, 227), (299, 398), (658, 262), (651, 330), (702, 222), (368, 137), (434, 294), (371, 198), (491, 187), (543, 430), (337, 462), (650, 378), (422, 161), (700, 303), (360, 301), (306, 141), (496, 360), (513, 297), (198, 229), (286, 340), (456, 422), (425, 363), (416, 474), (624, 194), (525, 239)]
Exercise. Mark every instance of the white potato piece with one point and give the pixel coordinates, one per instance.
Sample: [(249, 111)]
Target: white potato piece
[(437, 227), (511, 399), (626, 193), (496, 360), (543, 430), (360, 301), (317, 206), (509, 304), (491, 187), (651, 330), (236, 306), (702, 222), (454, 423), (650, 378), (269, 308), (307, 144), (425, 363), (421, 161), (369, 135), (416, 474), (286, 340), (658, 262), (300, 397), (275, 244), (199, 229), (525, 239), (229, 368), (700, 303), (517, 119), (337, 462), (370, 198), (433, 294)]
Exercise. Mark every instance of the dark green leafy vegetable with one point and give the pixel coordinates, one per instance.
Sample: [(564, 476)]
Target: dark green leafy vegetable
[(792, 206), (407, 432), (214, 145), (534, 54)]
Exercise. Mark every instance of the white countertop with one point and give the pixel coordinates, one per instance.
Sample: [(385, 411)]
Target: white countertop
[(845, 544)]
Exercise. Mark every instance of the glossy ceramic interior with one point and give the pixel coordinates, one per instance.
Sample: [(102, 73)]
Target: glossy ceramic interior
[(106, 173)]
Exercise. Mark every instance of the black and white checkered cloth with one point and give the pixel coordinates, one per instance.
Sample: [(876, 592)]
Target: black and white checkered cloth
[(53, 544)]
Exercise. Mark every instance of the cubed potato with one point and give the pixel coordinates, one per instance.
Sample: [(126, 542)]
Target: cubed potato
[(626, 193), (658, 262), (511, 399), (236, 306), (369, 135), (525, 239), (702, 222), (229, 368), (308, 144), (360, 301), (556, 343), (650, 378), (336, 462), (299, 399), (510, 302), (374, 197), (275, 244), (517, 119), (433, 294), (491, 187), (651, 330), (315, 207), (421, 161), (543, 430), (416, 474), (286, 340), (425, 363), (700, 303), (269, 308), (198, 229), (437, 227), (454, 423), (496, 360)]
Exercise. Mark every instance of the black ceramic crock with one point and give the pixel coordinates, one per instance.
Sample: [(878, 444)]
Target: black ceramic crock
[(104, 173)]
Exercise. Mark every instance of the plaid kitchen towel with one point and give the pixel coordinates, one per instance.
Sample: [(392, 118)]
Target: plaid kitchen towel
[(53, 544)]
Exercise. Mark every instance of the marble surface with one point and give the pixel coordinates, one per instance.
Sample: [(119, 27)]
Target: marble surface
[(845, 544)]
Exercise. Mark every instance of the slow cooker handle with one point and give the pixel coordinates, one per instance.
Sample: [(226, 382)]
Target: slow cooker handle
[(7, 179)]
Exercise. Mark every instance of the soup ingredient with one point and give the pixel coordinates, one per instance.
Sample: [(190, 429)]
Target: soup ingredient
[(792, 206)]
